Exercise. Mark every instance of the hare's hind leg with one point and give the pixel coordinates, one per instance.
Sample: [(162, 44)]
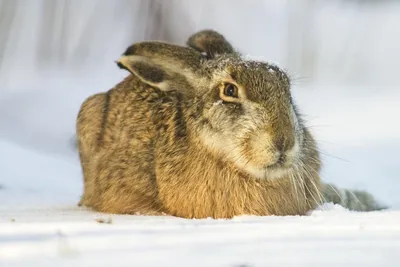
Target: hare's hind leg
[(126, 183), (89, 130)]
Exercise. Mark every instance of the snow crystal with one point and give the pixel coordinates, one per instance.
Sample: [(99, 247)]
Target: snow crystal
[(217, 103)]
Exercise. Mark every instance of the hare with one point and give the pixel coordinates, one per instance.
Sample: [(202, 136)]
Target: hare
[(197, 132)]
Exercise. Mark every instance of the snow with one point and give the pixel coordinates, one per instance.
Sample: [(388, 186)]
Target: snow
[(66, 235), (217, 103)]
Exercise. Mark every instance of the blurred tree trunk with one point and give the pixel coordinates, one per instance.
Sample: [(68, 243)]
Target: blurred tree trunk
[(301, 45), (66, 18), (158, 25), (161, 21), (155, 19), (7, 16), (47, 31), (53, 32)]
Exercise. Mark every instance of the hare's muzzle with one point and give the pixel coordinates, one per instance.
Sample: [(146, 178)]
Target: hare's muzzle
[(274, 146)]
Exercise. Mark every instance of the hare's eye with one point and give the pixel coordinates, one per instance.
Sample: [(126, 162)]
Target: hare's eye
[(231, 90)]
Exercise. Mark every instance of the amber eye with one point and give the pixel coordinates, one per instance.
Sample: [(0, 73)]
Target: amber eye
[(231, 90)]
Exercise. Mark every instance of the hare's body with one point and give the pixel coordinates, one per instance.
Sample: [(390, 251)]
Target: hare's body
[(151, 151), (161, 172)]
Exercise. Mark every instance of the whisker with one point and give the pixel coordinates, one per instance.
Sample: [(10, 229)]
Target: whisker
[(335, 157), (308, 170), (294, 183), (336, 192)]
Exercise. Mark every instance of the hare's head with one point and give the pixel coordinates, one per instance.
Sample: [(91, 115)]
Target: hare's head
[(240, 110)]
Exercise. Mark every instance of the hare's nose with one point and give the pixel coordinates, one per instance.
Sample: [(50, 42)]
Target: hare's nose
[(283, 152), (279, 143), (281, 158), (283, 145)]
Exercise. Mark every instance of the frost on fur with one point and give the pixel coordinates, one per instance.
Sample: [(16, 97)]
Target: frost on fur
[(217, 103)]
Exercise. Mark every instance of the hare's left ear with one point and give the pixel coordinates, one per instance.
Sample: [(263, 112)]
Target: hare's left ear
[(165, 66), (210, 42), (146, 71)]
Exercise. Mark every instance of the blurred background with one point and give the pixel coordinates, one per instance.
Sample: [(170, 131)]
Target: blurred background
[(343, 57)]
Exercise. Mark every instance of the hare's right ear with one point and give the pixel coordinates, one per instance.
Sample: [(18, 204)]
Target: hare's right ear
[(164, 66), (210, 42)]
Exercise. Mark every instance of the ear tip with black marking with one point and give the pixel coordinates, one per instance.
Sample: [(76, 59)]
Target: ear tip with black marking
[(129, 51), (120, 65)]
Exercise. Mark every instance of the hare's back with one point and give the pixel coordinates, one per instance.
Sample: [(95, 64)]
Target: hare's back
[(135, 113), (89, 122)]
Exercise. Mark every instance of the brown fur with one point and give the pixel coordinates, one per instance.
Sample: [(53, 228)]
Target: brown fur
[(154, 147)]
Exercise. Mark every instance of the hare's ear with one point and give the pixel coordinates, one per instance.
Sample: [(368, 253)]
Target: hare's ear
[(210, 42), (164, 66), (146, 71)]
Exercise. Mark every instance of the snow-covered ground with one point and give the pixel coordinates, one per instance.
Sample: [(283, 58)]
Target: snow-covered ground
[(67, 236)]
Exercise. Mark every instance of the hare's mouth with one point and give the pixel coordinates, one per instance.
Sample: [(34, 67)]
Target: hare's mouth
[(271, 172), (278, 166), (281, 163)]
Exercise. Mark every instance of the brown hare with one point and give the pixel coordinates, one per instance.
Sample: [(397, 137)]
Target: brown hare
[(197, 132)]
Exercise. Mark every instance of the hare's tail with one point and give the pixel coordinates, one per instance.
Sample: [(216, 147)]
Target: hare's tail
[(355, 200)]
